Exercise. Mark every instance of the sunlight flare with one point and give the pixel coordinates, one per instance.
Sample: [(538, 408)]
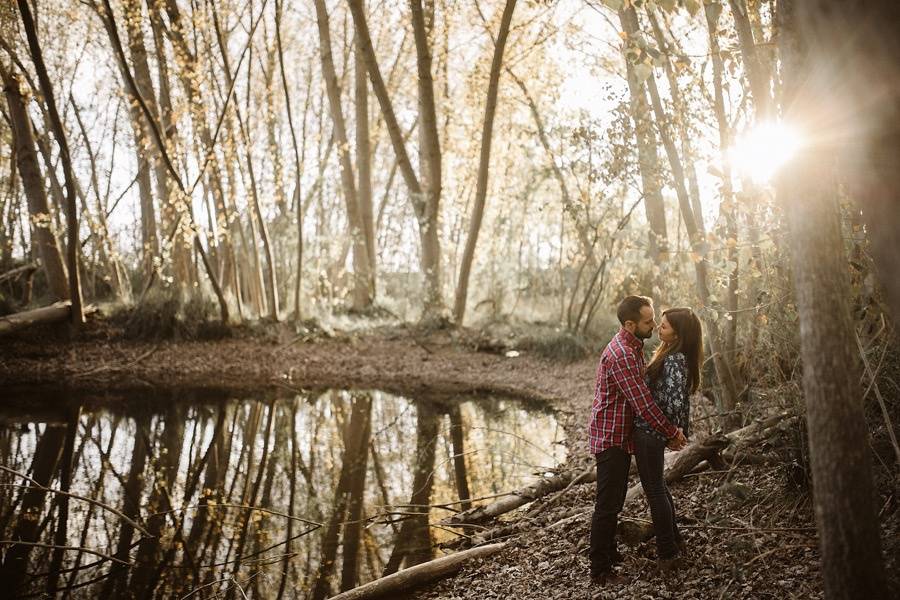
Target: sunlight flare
[(761, 151)]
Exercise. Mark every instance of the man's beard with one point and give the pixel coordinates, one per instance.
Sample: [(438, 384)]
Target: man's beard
[(643, 335)]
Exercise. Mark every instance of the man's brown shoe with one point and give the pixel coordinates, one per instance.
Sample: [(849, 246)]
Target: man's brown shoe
[(608, 578), (670, 565)]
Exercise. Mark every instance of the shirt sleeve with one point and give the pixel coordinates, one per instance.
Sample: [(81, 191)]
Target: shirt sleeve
[(675, 373), (626, 374)]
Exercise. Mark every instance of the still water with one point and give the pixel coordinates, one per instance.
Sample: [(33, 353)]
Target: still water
[(187, 494)]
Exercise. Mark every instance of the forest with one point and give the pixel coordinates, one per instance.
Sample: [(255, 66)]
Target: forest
[(315, 298)]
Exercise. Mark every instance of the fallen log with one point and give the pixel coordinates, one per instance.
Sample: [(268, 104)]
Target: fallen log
[(542, 487), (412, 577), (58, 311)]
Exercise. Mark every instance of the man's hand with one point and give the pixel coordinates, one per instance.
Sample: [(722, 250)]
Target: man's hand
[(678, 442)]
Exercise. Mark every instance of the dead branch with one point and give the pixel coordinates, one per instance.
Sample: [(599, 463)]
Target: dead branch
[(70, 548), (107, 507), (24, 269)]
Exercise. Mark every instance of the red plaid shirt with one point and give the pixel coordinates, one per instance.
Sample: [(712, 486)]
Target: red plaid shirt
[(620, 391)]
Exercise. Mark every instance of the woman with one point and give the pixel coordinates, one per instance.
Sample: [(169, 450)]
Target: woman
[(672, 375)]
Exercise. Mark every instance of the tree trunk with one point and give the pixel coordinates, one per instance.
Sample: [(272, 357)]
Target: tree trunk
[(487, 130), (457, 437), (353, 528), (698, 244), (430, 166), (425, 200), (821, 45), (645, 136), (413, 542), (76, 315), (138, 51), (364, 160), (354, 451), (753, 70), (361, 293), (33, 184), (727, 204), (47, 451)]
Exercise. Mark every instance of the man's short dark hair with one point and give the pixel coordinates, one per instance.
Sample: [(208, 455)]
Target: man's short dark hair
[(630, 308)]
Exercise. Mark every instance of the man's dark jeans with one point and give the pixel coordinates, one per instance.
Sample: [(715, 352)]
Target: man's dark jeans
[(648, 452), (612, 484)]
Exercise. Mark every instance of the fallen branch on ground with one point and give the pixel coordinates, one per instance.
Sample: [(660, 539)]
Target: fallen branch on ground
[(412, 577)]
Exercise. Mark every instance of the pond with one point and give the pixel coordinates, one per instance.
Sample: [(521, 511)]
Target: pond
[(177, 494)]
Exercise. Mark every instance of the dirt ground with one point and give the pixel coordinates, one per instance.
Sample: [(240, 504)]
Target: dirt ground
[(750, 530)]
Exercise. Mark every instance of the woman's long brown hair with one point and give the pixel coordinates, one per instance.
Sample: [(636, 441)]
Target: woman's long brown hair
[(690, 342)]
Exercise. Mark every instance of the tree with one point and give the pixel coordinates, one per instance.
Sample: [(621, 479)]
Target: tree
[(73, 244), (362, 285), (487, 130), (33, 185), (852, 565)]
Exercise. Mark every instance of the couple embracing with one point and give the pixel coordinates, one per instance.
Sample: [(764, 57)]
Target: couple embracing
[(642, 410)]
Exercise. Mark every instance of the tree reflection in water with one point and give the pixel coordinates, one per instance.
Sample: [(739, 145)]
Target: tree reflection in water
[(176, 494)]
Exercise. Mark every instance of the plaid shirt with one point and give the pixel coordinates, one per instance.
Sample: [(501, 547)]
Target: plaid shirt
[(620, 392)]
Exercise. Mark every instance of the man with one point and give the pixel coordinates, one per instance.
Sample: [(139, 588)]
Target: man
[(619, 393)]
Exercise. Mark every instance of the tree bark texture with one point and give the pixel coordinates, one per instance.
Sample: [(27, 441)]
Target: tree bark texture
[(818, 78)]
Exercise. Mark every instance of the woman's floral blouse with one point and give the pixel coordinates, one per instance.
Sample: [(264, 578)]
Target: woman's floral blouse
[(670, 392)]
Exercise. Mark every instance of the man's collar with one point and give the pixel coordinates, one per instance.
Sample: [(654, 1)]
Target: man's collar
[(631, 339)]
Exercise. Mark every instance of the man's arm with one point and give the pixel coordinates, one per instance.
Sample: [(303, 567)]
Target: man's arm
[(626, 374)]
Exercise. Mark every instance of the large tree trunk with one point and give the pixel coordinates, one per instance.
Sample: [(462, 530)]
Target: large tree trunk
[(854, 46), (487, 130), (822, 44), (33, 184)]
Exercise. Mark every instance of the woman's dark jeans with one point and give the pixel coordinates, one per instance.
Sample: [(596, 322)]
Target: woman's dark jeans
[(648, 452)]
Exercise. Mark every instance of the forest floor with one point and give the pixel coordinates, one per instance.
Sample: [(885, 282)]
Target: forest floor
[(750, 529)]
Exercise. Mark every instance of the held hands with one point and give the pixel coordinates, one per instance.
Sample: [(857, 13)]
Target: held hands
[(678, 442)]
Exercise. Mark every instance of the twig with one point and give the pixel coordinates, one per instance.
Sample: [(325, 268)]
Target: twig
[(102, 368), (243, 506), (775, 549), (884, 410), (72, 548), (116, 512)]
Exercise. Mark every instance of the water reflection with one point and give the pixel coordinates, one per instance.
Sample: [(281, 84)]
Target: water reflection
[(303, 496)]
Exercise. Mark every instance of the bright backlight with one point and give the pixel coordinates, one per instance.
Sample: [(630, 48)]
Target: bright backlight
[(761, 151)]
